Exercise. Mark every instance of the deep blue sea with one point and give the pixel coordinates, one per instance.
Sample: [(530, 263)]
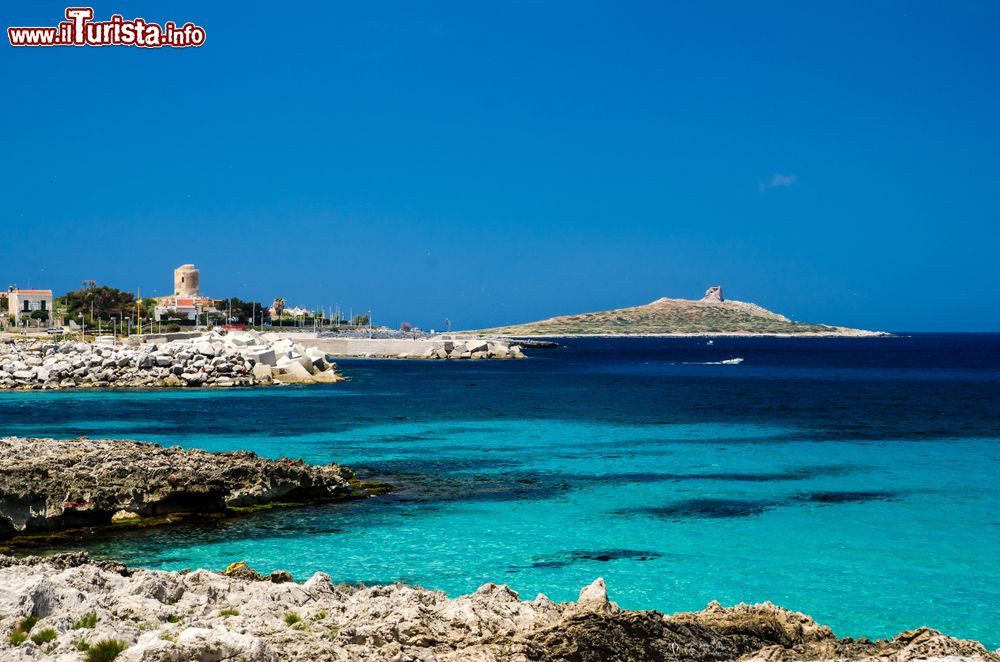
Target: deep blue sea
[(855, 480)]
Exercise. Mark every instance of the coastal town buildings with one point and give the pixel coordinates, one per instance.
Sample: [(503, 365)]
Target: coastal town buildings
[(33, 305), (180, 307), (294, 311)]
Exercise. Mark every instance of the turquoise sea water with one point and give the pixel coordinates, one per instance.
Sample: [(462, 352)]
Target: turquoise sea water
[(853, 480)]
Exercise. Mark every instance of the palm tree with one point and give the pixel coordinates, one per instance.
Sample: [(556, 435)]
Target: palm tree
[(278, 307)]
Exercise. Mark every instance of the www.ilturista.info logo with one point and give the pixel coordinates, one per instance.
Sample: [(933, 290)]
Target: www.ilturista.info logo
[(79, 29)]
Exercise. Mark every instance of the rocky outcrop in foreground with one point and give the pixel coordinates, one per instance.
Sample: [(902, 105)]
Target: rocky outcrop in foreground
[(48, 484), (66, 605), (210, 359)]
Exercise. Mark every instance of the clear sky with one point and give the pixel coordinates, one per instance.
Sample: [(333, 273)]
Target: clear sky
[(495, 163)]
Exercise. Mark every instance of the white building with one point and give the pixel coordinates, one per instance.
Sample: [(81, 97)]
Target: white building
[(189, 307), (22, 303)]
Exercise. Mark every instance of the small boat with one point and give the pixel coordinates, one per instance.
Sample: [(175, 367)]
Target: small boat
[(734, 361), (710, 342)]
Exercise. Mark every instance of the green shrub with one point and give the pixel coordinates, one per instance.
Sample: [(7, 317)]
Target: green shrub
[(44, 636), (105, 650), (173, 618), (226, 613), (81, 645), (88, 620), (291, 618), (20, 633), (26, 623)]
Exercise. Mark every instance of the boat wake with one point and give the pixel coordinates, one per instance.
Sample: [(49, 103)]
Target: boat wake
[(733, 361)]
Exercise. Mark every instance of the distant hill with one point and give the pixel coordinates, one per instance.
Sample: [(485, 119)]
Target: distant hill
[(711, 314)]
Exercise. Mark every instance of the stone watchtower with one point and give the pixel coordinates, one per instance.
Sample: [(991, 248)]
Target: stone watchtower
[(713, 295), (187, 280)]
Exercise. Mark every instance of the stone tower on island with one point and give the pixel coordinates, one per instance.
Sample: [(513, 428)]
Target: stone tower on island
[(713, 295), (187, 281)]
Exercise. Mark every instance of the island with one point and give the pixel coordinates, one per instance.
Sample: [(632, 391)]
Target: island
[(712, 315)]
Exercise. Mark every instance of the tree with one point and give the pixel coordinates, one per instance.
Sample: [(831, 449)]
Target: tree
[(99, 302), (239, 310), (149, 307), (40, 316), (279, 306), (406, 327), (360, 320)]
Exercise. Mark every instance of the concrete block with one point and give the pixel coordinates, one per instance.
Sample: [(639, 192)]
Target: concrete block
[(293, 373)]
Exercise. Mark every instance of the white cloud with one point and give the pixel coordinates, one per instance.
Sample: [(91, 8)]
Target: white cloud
[(778, 180)]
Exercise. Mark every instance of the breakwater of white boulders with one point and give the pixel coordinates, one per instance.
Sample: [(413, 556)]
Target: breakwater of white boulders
[(417, 348), (210, 359), (472, 348)]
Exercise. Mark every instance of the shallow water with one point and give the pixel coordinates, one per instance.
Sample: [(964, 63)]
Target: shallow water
[(855, 480)]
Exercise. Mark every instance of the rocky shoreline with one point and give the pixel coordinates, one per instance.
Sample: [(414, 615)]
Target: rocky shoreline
[(50, 485), (211, 359), (65, 606)]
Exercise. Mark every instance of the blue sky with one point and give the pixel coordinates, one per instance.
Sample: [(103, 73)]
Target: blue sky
[(497, 163)]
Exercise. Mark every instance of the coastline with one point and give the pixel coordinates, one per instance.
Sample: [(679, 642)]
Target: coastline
[(857, 334), (66, 605)]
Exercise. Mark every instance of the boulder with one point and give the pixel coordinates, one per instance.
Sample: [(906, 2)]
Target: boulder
[(262, 371), (292, 372), (205, 349)]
